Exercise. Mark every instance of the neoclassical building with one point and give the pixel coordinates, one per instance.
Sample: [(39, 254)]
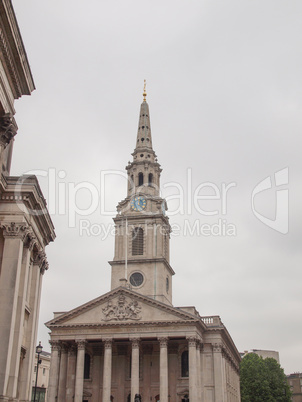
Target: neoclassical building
[(25, 226), (131, 343)]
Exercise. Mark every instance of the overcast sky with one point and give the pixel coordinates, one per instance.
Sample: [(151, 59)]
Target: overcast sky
[(224, 91)]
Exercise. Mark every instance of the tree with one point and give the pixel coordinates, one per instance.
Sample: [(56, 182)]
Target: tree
[(262, 380)]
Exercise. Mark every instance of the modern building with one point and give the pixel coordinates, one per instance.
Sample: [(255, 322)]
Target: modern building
[(263, 353), (131, 343), (42, 377), (295, 382), (25, 226)]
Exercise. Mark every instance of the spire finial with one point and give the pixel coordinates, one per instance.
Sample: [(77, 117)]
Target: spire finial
[(144, 93)]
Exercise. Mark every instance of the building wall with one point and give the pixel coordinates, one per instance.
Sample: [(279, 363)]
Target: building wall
[(43, 376), (295, 383), (23, 237)]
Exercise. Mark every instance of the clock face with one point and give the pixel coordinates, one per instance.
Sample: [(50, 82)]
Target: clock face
[(136, 279), (138, 203)]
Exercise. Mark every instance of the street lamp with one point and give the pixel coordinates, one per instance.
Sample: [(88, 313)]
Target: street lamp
[(39, 349)]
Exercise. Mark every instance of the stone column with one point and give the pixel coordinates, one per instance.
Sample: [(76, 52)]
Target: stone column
[(38, 265), (21, 322), (96, 370), (107, 370), (192, 369), (219, 373), (135, 368), (71, 373), (14, 234), (198, 369), (63, 373), (54, 371), (163, 370), (79, 380)]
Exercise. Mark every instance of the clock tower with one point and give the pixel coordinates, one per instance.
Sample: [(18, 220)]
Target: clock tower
[(142, 229)]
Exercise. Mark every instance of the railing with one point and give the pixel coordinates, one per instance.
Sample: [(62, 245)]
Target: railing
[(212, 320)]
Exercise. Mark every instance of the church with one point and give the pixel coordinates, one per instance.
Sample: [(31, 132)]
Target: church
[(131, 344)]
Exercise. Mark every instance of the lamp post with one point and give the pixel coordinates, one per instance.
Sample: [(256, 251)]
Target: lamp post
[(39, 349)]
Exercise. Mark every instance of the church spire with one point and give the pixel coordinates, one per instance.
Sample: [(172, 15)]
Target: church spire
[(144, 171), (144, 139)]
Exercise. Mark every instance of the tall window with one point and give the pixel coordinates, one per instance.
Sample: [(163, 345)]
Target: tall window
[(87, 366), (137, 241), (140, 179), (150, 179), (185, 364)]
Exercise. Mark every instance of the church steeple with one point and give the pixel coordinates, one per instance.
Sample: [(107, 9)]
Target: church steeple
[(144, 139), (142, 239), (144, 171)]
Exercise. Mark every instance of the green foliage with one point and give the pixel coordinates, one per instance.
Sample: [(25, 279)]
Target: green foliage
[(262, 380)]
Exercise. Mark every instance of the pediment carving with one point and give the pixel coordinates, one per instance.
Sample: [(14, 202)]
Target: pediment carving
[(122, 310)]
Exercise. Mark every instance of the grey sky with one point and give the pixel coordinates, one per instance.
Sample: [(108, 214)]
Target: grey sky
[(224, 91)]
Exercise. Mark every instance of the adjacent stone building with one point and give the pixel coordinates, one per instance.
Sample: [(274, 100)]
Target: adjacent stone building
[(131, 343), (42, 376), (25, 226), (295, 382)]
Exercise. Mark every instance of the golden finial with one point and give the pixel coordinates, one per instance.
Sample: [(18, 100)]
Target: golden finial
[(144, 93)]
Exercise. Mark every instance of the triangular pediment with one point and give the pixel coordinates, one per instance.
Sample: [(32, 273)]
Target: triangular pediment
[(121, 306)]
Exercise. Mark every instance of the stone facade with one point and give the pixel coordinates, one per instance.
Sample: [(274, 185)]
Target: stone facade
[(25, 226), (295, 382), (42, 376), (132, 344)]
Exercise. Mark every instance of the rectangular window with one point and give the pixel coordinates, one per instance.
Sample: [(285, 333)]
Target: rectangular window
[(138, 241)]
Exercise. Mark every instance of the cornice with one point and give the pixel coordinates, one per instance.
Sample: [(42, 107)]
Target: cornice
[(14, 53), (25, 191), (144, 260), (120, 324)]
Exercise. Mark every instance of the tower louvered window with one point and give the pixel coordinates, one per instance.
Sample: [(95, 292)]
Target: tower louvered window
[(137, 241), (140, 179)]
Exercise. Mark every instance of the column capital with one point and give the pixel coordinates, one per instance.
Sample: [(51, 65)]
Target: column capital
[(30, 240), (55, 346), (199, 345), (107, 343), (217, 347), (81, 344), (135, 342), (8, 129), (163, 341), (41, 260), (14, 230), (72, 350), (192, 340), (64, 347)]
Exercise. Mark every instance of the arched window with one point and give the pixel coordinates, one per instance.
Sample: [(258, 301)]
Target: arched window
[(87, 366), (137, 241), (185, 364), (150, 179), (140, 179)]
